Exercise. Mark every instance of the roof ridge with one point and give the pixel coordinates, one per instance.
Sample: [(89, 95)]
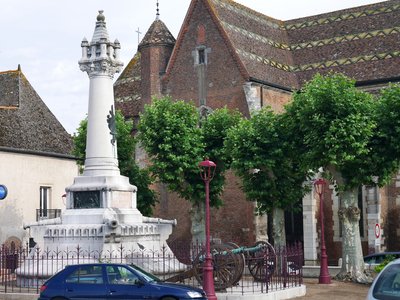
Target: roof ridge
[(10, 71), (251, 11)]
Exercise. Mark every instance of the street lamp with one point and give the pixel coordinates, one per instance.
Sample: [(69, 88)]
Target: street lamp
[(324, 276), (207, 170)]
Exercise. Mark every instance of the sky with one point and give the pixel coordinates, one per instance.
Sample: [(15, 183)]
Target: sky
[(44, 38)]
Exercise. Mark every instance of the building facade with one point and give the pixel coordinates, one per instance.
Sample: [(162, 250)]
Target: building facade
[(229, 55), (35, 159)]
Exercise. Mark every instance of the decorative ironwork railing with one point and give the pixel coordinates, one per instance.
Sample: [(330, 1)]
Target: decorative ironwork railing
[(251, 270), (42, 214)]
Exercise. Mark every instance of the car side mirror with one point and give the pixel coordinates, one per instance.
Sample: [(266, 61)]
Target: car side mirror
[(139, 282)]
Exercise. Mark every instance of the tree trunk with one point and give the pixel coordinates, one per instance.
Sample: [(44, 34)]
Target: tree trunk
[(278, 227), (352, 256), (198, 222)]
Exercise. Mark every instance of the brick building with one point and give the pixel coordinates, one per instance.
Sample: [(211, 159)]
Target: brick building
[(229, 55)]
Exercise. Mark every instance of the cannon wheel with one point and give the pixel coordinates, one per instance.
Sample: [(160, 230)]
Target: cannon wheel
[(227, 266), (262, 263)]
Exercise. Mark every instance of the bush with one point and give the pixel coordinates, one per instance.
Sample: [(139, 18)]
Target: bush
[(387, 260)]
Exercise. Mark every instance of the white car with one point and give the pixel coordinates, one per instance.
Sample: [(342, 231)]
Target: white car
[(386, 285)]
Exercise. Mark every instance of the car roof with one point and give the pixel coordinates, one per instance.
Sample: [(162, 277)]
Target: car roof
[(383, 253), (99, 264)]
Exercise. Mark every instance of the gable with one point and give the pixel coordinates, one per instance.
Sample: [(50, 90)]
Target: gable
[(224, 69)]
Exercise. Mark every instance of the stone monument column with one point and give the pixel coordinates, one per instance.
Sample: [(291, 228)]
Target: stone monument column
[(100, 60), (101, 193)]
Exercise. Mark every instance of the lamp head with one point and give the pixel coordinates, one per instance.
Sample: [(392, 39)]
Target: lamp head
[(207, 169), (319, 185)]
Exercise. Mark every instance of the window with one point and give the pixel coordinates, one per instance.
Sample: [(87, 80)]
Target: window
[(121, 275), (202, 56), (387, 286), (44, 201), (86, 275)]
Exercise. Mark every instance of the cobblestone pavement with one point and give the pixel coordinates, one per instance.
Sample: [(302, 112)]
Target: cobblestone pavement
[(337, 290)]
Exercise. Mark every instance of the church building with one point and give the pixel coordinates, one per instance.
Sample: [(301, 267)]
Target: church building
[(229, 55)]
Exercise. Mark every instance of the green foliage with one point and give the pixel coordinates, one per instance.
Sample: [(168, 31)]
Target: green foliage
[(386, 141), (334, 122), (169, 132), (387, 260), (146, 198), (264, 159)]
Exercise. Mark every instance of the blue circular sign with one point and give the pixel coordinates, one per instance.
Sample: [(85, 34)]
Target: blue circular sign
[(3, 191)]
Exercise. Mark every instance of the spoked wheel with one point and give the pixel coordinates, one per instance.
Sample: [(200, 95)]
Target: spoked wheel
[(227, 266), (262, 263)]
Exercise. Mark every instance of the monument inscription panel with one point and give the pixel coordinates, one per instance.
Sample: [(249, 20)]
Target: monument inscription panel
[(87, 199)]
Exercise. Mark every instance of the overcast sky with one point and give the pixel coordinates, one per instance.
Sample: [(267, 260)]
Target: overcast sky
[(44, 37)]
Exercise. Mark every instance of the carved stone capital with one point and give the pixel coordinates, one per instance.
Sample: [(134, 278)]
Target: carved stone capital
[(101, 67)]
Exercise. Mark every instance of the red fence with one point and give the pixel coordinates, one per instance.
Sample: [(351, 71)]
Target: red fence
[(259, 269)]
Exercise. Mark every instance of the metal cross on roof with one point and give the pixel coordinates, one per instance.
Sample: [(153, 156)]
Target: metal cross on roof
[(138, 35)]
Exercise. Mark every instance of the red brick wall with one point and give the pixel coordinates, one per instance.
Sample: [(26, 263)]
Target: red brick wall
[(224, 79), (232, 222), (154, 61)]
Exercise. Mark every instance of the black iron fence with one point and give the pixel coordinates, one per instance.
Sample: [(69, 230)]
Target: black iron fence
[(42, 214), (258, 269)]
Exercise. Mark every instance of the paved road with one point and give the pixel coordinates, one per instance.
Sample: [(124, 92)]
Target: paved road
[(337, 290)]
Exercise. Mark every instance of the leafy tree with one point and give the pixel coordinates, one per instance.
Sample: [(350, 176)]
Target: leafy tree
[(146, 198), (334, 123), (263, 158), (386, 141), (176, 141)]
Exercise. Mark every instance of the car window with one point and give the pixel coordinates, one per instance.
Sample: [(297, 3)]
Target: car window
[(147, 276), (121, 275), (387, 286), (86, 275), (370, 260)]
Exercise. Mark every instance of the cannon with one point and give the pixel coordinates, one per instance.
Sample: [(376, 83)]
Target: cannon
[(228, 261)]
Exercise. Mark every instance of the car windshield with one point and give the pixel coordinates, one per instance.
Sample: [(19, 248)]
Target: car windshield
[(387, 286), (147, 276)]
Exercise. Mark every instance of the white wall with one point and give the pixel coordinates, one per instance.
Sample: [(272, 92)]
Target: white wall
[(23, 174)]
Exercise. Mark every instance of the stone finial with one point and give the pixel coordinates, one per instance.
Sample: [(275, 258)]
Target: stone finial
[(101, 17)]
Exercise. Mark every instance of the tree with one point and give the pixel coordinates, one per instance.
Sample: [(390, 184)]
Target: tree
[(386, 141), (335, 123), (146, 198), (176, 141), (263, 158)]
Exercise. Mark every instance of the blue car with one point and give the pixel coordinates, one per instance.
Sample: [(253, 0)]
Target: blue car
[(113, 281)]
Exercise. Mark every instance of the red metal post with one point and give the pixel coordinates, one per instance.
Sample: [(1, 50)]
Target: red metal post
[(324, 276), (207, 173)]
